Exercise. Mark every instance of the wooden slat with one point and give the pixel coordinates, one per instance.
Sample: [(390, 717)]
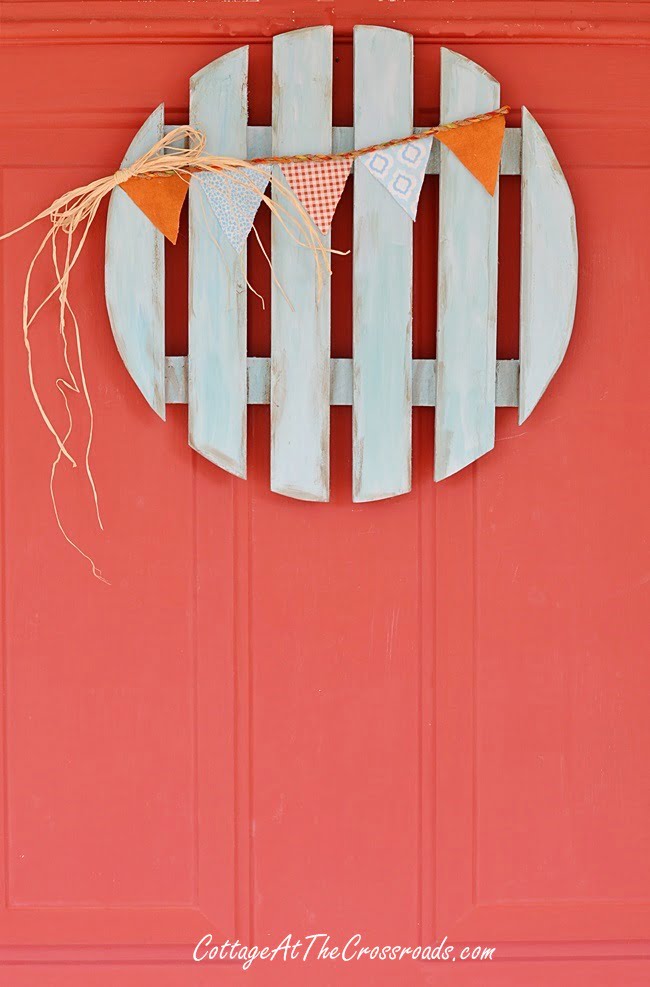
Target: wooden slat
[(300, 323), (383, 272), (176, 379), (467, 283), (135, 279), (549, 265), (217, 277), (424, 381), (259, 145)]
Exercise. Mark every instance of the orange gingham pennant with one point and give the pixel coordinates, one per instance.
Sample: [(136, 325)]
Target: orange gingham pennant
[(319, 186)]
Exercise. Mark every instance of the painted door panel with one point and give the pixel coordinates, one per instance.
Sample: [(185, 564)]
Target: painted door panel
[(413, 718)]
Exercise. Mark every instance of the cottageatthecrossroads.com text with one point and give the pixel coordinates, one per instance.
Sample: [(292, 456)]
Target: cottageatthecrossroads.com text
[(319, 946)]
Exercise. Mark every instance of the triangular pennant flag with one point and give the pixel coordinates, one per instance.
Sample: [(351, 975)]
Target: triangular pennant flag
[(319, 186), (161, 198), (478, 147), (401, 170), (235, 197)]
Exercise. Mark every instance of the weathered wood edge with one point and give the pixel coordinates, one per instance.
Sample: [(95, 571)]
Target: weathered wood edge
[(134, 278), (217, 277), (467, 283), (382, 274), (300, 319), (549, 265)]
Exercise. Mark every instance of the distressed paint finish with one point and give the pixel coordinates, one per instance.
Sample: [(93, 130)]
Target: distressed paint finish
[(217, 277), (424, 381), (383, 273), (467, 283), (176, 379), (135, 279), (549, 265), (300, 323)]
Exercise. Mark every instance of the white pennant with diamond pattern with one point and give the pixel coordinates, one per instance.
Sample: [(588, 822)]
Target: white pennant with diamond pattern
[(401, 170)]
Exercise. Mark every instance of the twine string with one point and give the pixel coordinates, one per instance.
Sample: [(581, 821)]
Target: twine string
[(382, 145)]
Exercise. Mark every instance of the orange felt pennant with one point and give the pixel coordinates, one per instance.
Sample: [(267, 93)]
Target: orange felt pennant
[(478, 148), (161, 198)]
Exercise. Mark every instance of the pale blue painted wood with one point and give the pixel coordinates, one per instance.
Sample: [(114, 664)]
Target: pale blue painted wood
[(549, 265), (300, 323), (134, 275), (217, 277), (382, 274), (424, 381), (467, 283), (259, 146)]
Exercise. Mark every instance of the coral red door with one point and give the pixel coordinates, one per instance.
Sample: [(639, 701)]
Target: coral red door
[(408, 720)]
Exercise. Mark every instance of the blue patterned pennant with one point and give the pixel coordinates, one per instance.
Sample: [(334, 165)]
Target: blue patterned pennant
[(235, 197), (401, 170)]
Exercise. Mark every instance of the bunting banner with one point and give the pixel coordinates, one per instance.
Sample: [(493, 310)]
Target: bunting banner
[(400, 169), (319, 186), (318, 180), (161, 198), (235, 197), (478, 148)]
